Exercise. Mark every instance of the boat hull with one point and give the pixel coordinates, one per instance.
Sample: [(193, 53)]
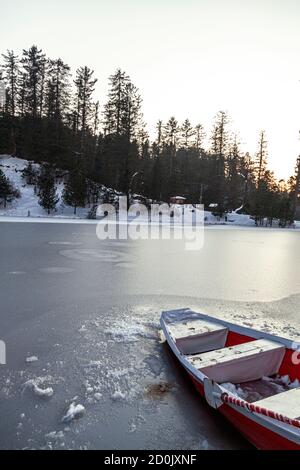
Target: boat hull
[(263, 431)]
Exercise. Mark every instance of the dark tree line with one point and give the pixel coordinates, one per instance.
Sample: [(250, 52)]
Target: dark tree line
[(48, 118)]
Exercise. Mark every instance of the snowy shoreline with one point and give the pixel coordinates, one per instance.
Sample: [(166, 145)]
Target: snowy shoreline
[(27, 208), (84, 221)]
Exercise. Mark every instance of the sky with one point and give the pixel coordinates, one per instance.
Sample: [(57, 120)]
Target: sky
[(189, 58)]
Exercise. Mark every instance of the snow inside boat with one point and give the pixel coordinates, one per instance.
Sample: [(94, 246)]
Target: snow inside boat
[(251, 377)]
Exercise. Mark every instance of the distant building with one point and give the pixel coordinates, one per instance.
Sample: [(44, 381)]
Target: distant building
[(178, 200)]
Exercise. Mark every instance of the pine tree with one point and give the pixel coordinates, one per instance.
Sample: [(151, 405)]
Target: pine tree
[(10, 75), (21, 96), (261, 158), (115, 106), (294, 189), (219, 140), (75, 191), (47, 189), (30, 174), (199, 136), (236, 180), (85, 87), (160, 136), (2, 94), (187, 132), (96, 107), (57, 90), (7, 190), (33, 62), (171, 132)]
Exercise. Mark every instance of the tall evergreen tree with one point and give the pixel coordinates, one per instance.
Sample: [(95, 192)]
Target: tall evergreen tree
[(7, 190), (116, 104), (261, 158), (75, 191), (47, 189), (219, 142), (85, 87), (10, 69), (186, 133), (199, 136), (57, 90), (34, 62)]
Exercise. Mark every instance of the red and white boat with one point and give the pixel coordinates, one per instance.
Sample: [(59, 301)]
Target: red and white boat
[(249, 376)]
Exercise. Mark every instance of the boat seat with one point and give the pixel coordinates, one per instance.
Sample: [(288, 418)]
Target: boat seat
[(240, 363), (195, 335), (287, 403)]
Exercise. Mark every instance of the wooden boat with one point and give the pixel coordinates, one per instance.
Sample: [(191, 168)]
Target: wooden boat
[(249, 376)]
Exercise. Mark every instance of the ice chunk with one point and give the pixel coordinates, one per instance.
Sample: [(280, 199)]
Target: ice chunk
[(118, 395), (41, 392), (233, 389), (294, 384), (32, 359), (74, 411), (285, 379)]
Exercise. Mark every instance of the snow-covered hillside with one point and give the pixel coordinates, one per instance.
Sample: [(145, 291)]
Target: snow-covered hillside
[(27, 205)]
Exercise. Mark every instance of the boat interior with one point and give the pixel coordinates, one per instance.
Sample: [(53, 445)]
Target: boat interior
[(260, 371)]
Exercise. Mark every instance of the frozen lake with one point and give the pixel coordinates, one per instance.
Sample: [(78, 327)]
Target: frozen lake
[(89, 311)]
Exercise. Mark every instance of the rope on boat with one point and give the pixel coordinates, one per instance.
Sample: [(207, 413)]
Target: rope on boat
[(226, 398)]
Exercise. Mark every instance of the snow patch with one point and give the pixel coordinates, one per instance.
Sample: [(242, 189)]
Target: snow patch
[(129, 333)]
